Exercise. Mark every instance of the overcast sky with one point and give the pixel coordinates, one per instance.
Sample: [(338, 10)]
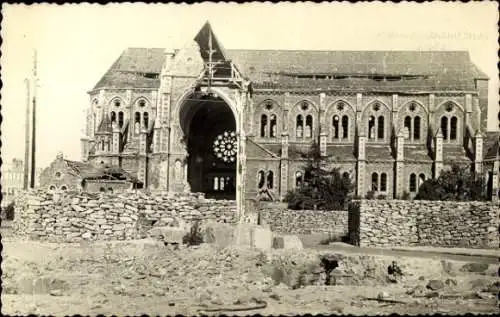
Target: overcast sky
[(76, 44)]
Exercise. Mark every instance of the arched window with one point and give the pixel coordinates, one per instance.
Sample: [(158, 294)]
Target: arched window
[(299, 131), (102, 145), (270, 179), (345, 127), (273, 126), (113, 116), (63, 187), (374, 182), (407, 127), (309, 126), (444, 127), (120, 119), (216, 183), (416, 128), (298, 179), (371, 127), (102, 189), (260, 179), (383, 182), (413, 183), (453, 128), (146, 119), (108, 145), (421, 180), (142, 103), (335, 125), (345, 175), (263, 125), (380, 130), (221, 183)]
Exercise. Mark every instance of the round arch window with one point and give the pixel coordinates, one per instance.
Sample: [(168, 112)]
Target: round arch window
[(63, 187), (52, 187), (142, 103), (117, 103), (58, 175), (304, 106)]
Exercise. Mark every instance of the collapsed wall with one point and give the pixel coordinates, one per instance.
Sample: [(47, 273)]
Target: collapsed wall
[(111, 216)]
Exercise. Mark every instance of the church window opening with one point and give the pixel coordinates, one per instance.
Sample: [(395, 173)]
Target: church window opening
[(345, 127), (383, 182), (113, 116), (137, 122), (225, 147), (142, 103), (444, 127), (371, 127), (416, 128), (263, 125), (421, 180), (380, 130), (340, 106), (376, 107), (299, 126), (102, 145), (52, 187), (412, 107), (374, 182), (298, 179), (58, 175), (145, 118), (221, 183), (108, 145), (63, 187), (102, 189), (449, 107), (453, 128), (270, 179), (335, 123), (346, 175), (407, 126), (304, 106), (120, 119), (260, 179), (268, 106), (309, 126), (216, 183), (117, 103), (273, 126), (413, 183)]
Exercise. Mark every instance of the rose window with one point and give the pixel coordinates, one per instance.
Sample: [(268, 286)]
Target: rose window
[(225, 147)]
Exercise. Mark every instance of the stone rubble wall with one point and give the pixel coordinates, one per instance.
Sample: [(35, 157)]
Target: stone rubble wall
[(425, 223), (106, 216), (289, 221)]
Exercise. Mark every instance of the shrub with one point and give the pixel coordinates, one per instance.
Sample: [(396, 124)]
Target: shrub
[(458, 183), (370, 195), (405, 195), (322, 188), (194, 236), (8, 211), (382, 197)]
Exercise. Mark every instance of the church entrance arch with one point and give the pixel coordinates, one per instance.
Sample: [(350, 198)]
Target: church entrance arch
[(210, 136)]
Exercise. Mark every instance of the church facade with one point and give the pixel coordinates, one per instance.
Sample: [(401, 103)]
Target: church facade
[(231, 123)]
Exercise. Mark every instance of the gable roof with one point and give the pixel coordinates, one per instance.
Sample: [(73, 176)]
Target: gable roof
[(350, 70), (256, 150)]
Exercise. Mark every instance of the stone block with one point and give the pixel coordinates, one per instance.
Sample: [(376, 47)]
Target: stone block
[(168, 234)]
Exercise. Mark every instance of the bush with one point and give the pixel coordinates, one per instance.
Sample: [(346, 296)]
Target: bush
[(381, 197), (405, 196), (8, 211), (194, 237), (322, 188), (456, 184), (370, 195)]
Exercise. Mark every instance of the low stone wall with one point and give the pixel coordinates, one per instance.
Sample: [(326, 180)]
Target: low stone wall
[(285, 220), (424, 223), (107, 216)]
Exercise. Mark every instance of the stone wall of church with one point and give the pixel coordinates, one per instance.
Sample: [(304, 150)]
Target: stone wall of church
[(75, 216), (424, 223)]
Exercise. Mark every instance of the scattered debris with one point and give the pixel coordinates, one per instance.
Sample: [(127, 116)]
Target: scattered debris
[(435, 285)]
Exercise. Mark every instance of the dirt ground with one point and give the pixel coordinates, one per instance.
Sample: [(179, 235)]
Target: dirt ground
[(147, 277)]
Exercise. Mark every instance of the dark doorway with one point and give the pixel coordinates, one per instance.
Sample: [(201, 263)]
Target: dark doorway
[(210, 128)]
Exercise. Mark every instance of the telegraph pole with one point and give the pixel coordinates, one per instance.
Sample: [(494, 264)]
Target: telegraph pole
[(27, 137), (33, 134)]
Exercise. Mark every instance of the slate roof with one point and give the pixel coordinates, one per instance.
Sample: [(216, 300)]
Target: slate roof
[(455, 153), (428, 70), (416, 153), (378, 153), (88, 171), (341, 153), (105, 126)]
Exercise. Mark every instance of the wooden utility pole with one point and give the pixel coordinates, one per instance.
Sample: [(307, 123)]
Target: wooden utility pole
[(27, 137), (33, 134)]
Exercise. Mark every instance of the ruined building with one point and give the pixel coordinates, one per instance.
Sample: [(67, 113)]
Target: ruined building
[(231, 122)]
